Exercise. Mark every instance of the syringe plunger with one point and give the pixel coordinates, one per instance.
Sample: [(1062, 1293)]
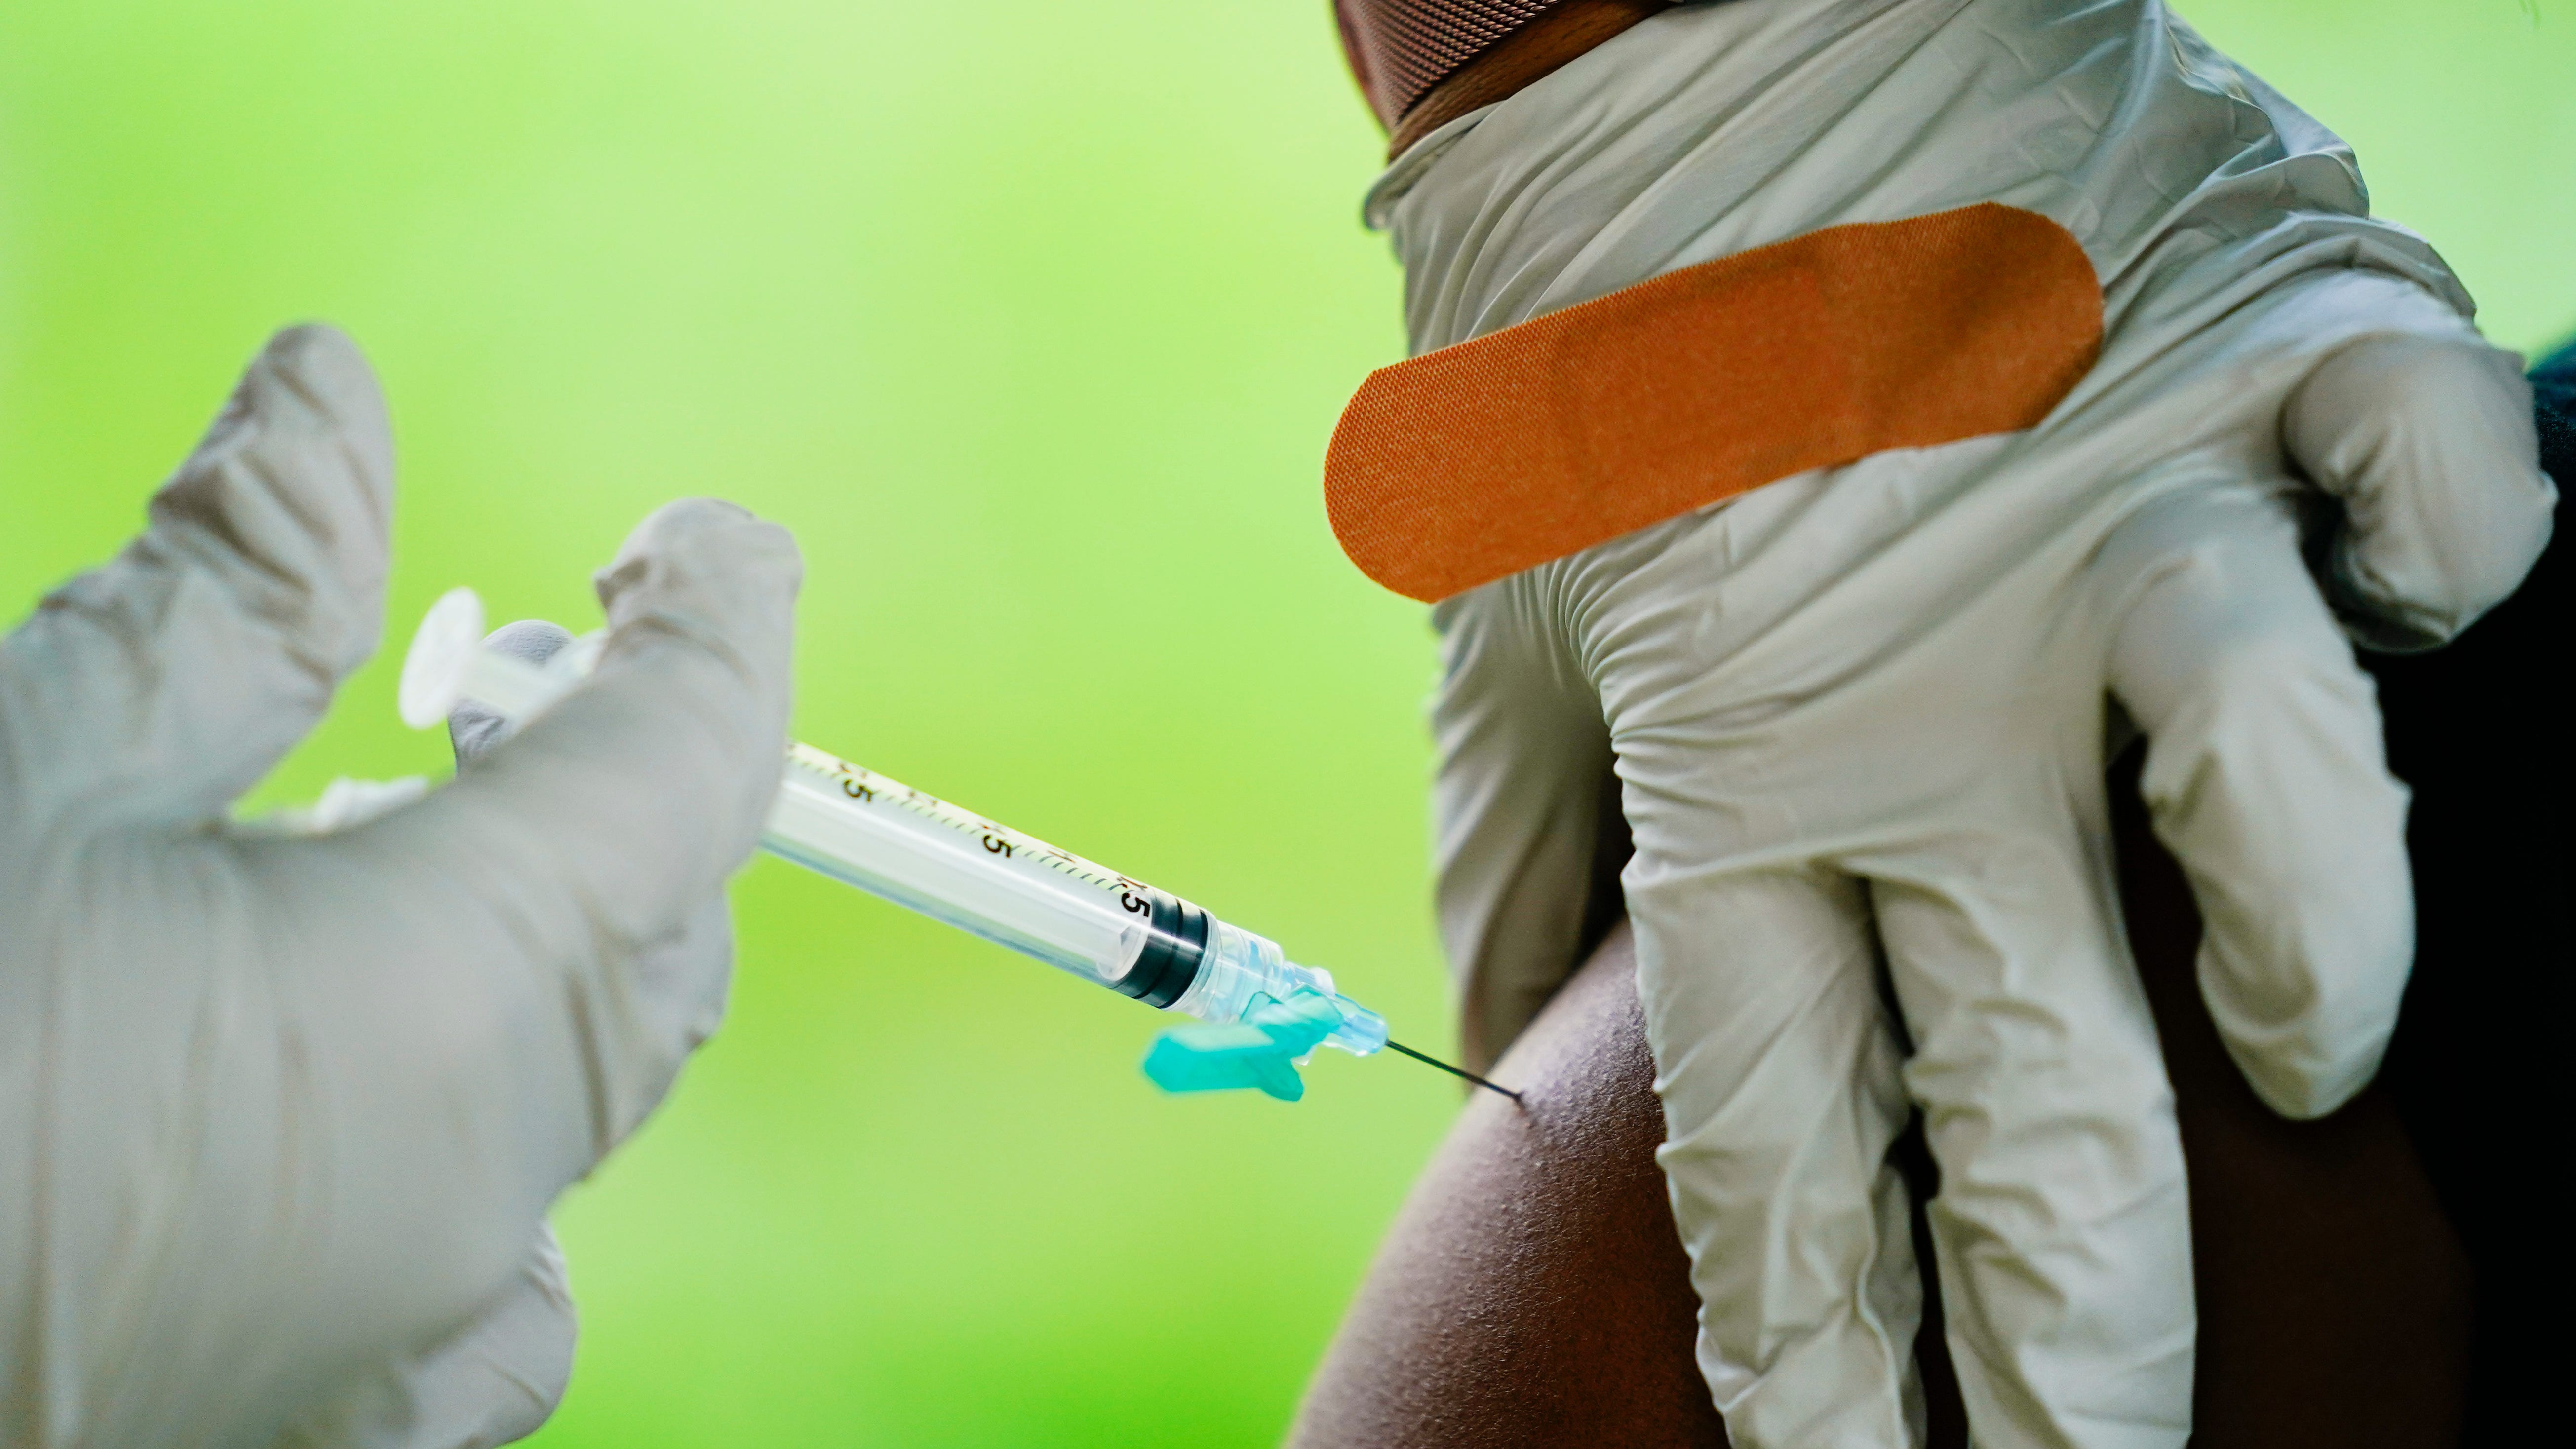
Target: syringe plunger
[(921, 852)]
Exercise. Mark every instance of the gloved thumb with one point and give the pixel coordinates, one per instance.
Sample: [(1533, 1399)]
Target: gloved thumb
[(680, 984), (175, 675), (2429, 445), (593, 844), (514, 968), (472, 727), (706, 572), (627, 804)]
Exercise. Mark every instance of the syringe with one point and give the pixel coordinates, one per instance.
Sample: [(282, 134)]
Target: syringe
[(948, 863)]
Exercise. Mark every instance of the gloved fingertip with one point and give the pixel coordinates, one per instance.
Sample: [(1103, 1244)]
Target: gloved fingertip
[(473, 730), (308, 379), (689, 522), (317, 349), (716, 509), (702, 545), (327, 370), (532, 640)]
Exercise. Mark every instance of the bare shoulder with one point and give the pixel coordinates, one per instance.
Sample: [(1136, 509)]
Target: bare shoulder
[(1532, 1291)]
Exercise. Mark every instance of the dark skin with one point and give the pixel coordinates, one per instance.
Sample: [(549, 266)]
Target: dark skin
[(1532, 1291), (2362, 1280)]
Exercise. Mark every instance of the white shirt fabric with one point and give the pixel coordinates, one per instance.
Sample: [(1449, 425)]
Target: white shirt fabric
[(1858, 717)]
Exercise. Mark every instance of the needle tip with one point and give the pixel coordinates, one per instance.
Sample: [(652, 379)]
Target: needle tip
[(1393, 1045)]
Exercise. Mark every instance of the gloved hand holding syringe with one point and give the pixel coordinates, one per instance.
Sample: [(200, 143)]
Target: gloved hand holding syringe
[(1263, 1010)]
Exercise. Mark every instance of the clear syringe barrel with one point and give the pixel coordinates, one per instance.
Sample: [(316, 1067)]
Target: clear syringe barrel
[(923, 853), (948, 863), (919, 851)]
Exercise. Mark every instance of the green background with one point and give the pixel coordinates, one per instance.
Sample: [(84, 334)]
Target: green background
[(1031, 320)]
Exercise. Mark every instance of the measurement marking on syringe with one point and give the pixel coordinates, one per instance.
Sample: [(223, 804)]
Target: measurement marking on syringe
[(1177, 957), (870, 788)]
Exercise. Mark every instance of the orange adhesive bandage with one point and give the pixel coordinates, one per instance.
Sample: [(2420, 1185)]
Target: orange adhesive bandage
[(1463, 465)]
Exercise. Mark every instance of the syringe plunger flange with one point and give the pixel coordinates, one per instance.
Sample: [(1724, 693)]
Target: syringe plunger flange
[(928, 855), (442, 652), (447, 664)]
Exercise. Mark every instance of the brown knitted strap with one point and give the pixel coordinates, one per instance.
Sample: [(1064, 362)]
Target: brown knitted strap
[(1549, 40), (1400, 49), (1463, 465)]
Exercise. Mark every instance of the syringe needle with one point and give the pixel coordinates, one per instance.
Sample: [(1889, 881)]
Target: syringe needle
[(1398, 1046)]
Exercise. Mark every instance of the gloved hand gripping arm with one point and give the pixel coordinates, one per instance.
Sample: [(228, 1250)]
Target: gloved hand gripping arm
[(2265, 771), (279, 1110), (2428, 445)]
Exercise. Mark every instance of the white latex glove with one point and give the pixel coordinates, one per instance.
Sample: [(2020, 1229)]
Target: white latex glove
[(1857, 715), (279, 1112), (499, 1378), (494, 1381), (2429, 446)]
